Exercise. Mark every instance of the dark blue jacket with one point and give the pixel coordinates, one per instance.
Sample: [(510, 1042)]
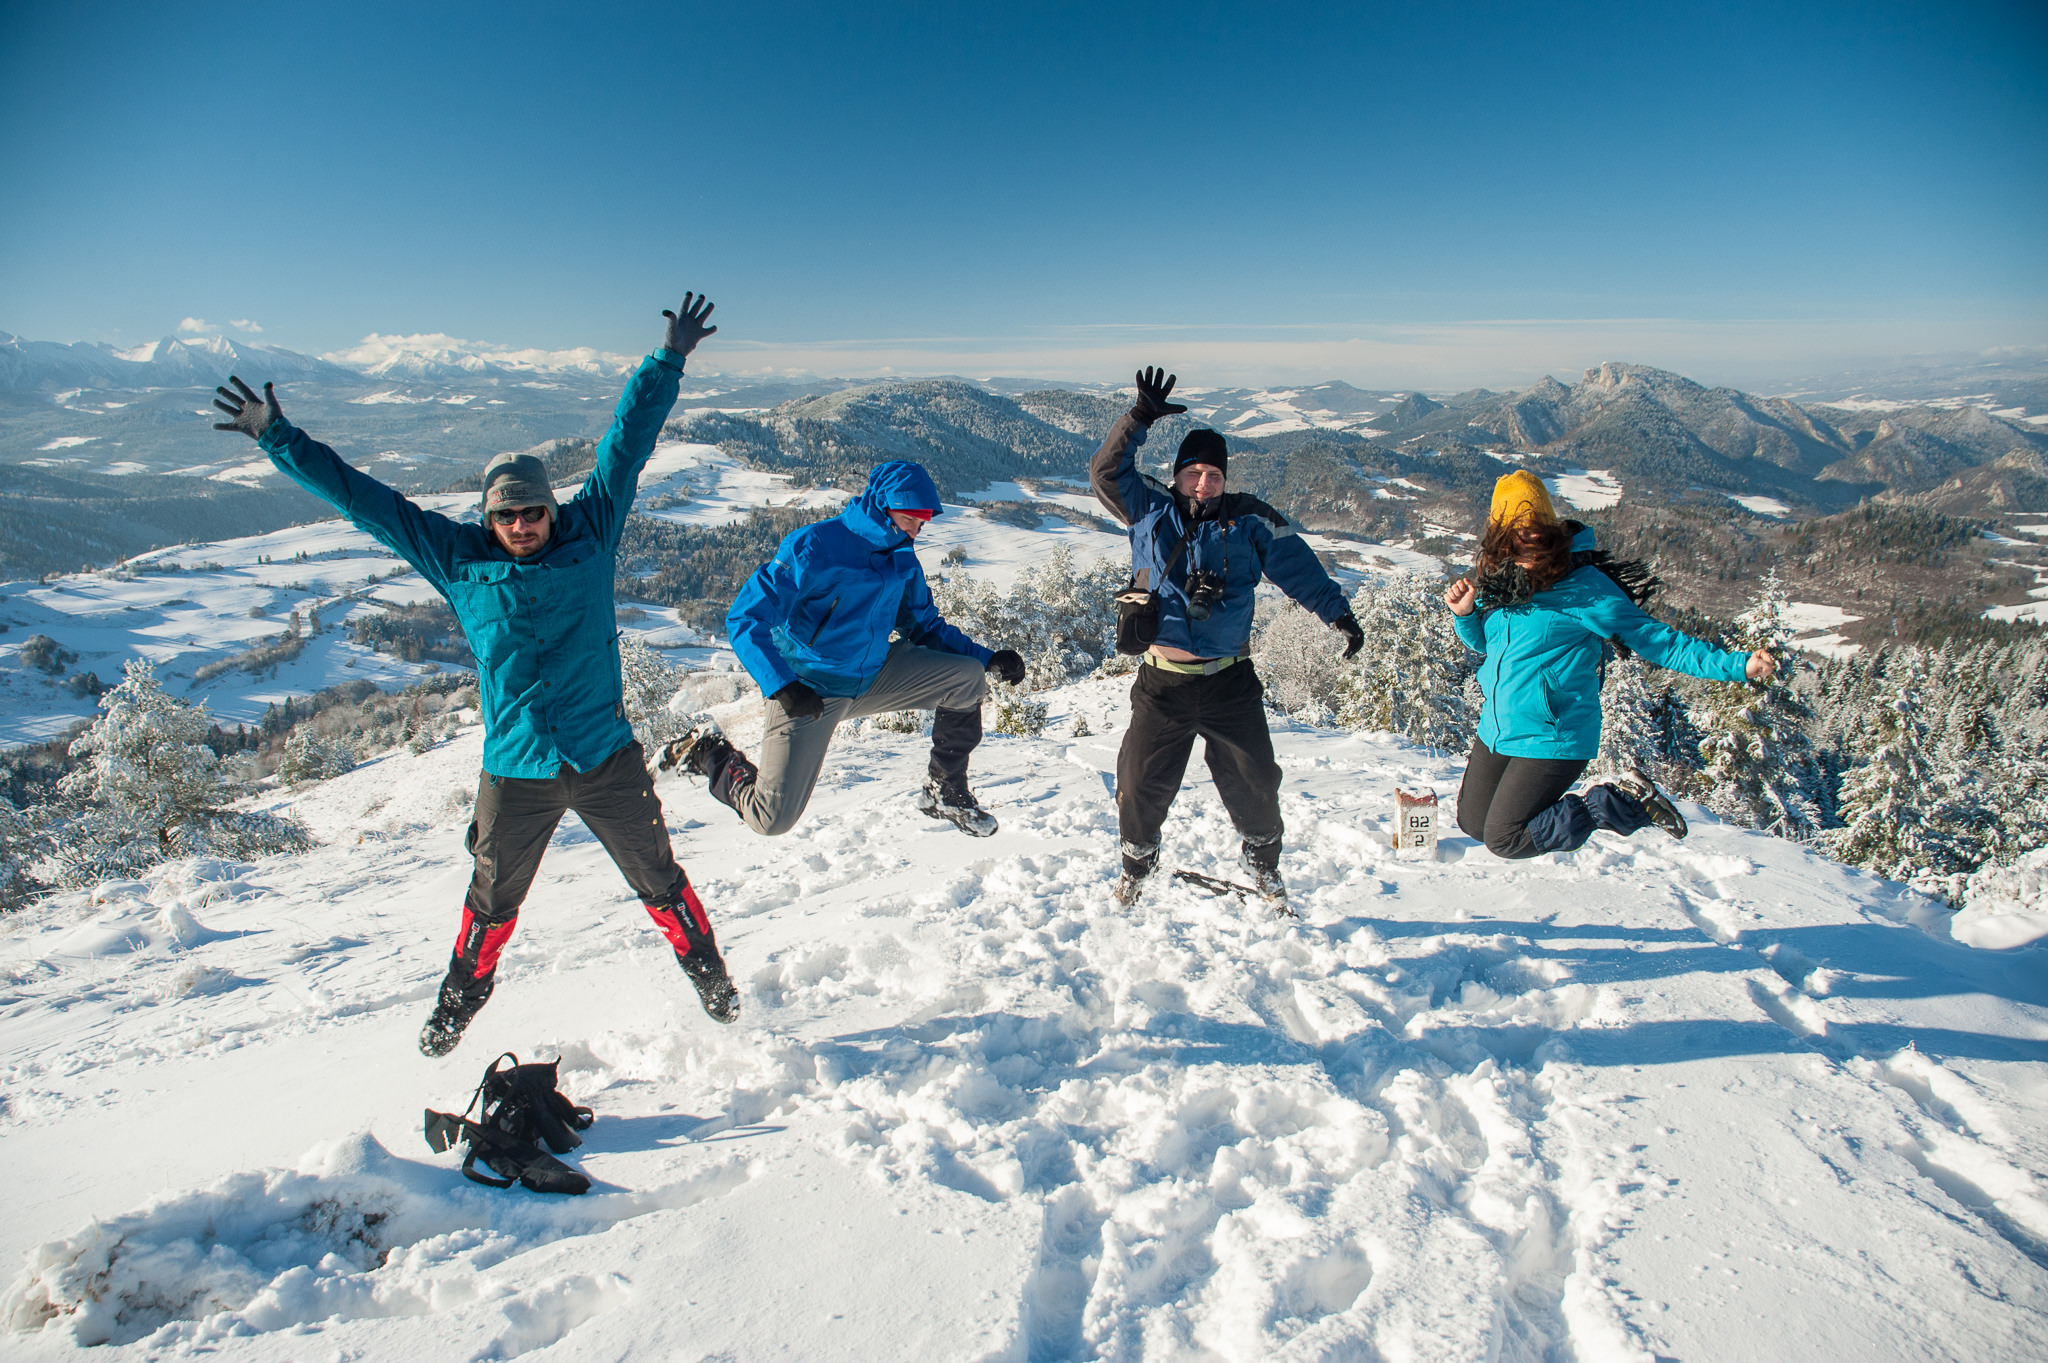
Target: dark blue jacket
[(1541, 675), (542, 629), (1241, 544), (821, 610)]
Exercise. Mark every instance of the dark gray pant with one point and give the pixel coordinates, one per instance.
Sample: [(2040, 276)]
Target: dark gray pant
[(1169, 711), (1518, 807), (515, 817), (514, 820)]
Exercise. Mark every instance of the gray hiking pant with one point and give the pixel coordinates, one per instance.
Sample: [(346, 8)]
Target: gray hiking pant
[(913, 678)]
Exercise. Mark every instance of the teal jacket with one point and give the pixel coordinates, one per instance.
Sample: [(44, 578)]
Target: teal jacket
[(1541, 675), (542, 629)]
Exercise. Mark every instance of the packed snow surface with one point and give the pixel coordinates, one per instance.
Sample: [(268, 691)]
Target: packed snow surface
[(1652, 1099)]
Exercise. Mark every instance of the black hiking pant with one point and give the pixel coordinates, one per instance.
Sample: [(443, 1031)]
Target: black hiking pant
[(1518, 807), (514, 820), (1169, 711)]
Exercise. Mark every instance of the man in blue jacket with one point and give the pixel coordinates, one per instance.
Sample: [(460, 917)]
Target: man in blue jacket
[(531, 584), (814, 626), (1203, 551)]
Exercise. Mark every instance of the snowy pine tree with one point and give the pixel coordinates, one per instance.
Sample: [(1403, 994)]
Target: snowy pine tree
[(1889, 802), (307, 757), (21, 846), (1631, 730), (1061, 618), (1409, 678), (150, 790), (1300, 659), (1759, 768), (651, 682)]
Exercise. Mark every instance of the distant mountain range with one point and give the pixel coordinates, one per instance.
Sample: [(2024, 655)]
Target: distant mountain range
[(80, 421)]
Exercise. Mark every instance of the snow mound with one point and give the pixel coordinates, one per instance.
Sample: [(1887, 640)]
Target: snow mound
[(2007, 906), (353, 1233)]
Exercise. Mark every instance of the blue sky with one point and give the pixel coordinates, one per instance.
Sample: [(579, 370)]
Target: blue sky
[(1392, 195)]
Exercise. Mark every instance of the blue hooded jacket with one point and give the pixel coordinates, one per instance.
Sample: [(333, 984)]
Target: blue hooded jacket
[(822, 609), (1541, 674), (1240, 545), (542, 629)]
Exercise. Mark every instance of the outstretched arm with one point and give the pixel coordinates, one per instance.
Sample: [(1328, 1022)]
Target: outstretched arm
[(930, 629), (425, 539), (1113, 472), (1613, 616), (636, 424)]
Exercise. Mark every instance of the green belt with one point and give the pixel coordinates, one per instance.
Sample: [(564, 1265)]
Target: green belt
[(1202, 669)]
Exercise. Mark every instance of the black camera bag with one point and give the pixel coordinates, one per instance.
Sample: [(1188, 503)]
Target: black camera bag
[(1137, 605)]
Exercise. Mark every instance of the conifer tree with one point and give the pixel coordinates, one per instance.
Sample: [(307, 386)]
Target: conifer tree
[(150, 790), (1409, 678), (21, 844), (1631, 731), (1759, 768), (650, 682), (1890, 801)]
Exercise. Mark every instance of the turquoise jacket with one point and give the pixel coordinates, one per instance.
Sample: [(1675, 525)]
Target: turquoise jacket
[(1542, 674), (542, 629), (822, 609)]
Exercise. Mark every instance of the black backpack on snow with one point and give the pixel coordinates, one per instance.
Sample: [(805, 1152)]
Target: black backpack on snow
[(520, 1109)]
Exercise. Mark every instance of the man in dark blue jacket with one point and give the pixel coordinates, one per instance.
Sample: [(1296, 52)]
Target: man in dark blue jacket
[(531, 584), (1203, 551), (813, 629)]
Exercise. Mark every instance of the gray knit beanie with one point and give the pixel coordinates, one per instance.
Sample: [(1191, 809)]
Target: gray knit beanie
[(514, 480)]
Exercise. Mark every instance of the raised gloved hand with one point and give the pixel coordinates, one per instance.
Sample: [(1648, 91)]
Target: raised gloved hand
[(687, 328), (247, 413), (1153, 387), (1007, 665), (1347, 625), (800, 701)]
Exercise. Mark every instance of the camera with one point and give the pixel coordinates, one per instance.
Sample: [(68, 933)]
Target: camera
[(1203, 591)]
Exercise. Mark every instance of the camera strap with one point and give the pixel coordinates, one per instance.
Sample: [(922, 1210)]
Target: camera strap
[(1166, 572)]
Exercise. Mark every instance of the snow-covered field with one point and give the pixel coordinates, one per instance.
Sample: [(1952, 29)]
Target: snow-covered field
[(1710, 1100), (1817, 628), (1693, 1100), (1586, 489)]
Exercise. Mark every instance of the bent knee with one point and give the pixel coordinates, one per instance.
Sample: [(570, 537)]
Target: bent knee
[(1511, 843)]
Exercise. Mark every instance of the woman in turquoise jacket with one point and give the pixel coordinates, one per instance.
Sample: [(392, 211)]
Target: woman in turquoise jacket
[(1541, 610)]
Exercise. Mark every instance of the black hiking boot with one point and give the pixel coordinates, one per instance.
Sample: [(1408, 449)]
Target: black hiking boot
[(1262, 864), (1660, 810), (1130, 886), (957, 805), (706, 969), (458, 1002), (705, 752)]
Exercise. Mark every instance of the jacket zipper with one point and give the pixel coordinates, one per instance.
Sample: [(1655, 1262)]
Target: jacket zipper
[(826, 621)]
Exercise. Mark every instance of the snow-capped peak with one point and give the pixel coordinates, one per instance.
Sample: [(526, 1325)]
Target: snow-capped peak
[(435, 354)]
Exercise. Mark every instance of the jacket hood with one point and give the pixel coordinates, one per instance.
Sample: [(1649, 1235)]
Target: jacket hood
[(898, 484)]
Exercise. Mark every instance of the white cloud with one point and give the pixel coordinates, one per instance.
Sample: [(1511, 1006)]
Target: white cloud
[(244, 324), (196, 326)]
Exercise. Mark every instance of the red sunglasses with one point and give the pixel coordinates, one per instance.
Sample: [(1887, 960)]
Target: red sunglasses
[(532, 515)]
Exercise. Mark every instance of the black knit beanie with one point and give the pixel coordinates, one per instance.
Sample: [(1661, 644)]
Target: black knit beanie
[(1203, 446)]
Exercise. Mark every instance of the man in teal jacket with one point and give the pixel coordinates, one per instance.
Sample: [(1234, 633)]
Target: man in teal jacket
[(531, 584), (840, 624)]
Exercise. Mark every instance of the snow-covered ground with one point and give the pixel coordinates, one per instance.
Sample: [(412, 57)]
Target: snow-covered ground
[(1717, 1099), (1586, 489), (1817, 628)]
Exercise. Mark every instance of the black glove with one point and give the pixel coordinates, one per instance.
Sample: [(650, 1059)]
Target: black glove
[(1348, 627), (1008, 665), (800, 701), (247, 413), (686, 330), (1153, 387)]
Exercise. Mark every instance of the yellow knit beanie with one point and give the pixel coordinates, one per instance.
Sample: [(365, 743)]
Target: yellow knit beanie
[(1520, 496)]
